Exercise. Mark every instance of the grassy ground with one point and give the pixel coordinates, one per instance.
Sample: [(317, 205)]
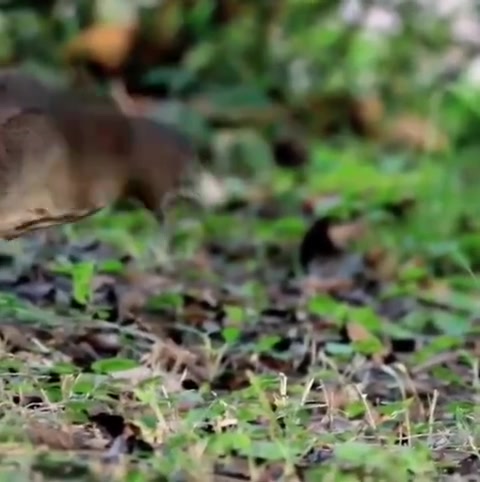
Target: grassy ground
[(320, 323)]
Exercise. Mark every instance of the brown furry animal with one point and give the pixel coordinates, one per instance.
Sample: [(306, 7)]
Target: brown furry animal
[(65, 155)]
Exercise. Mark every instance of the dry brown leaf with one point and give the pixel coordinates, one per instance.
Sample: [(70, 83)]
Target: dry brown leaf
[(417, 133), (55, 438), (340, 397), (439, 290), (170, 381), (105, 44), (358, 333), (137, 288), (369, 113), (175, 359), (337, 398), (201, 260), (195, 314), (383, 262), (312, 285), (345, 233), (14, 338), (277, 471), (164, 353)]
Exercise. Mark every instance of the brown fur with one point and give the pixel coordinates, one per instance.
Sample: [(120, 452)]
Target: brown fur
[(65, 155)]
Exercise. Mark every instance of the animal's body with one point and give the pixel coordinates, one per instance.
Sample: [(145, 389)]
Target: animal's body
[(65, 155)]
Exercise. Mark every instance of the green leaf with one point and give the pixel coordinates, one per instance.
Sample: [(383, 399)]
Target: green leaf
[(323, 305), (369, 346), (266, 343), (241, 96), (165, 301), (111, 266), (340, 349), (109, 365), (82, 275), (366, 317), (231, 334), (235, 314)]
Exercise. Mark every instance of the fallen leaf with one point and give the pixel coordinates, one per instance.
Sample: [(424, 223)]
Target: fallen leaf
[(384, 263), (312, 285), (368, 114), (345, 233), (417, 133), (14, 338), (55, 438), (105, 44), (358, 333)]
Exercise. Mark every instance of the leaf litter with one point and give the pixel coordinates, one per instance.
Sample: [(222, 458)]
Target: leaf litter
[(320, 351)]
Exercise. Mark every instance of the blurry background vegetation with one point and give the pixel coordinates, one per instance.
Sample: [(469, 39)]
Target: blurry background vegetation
[(344, 106)]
